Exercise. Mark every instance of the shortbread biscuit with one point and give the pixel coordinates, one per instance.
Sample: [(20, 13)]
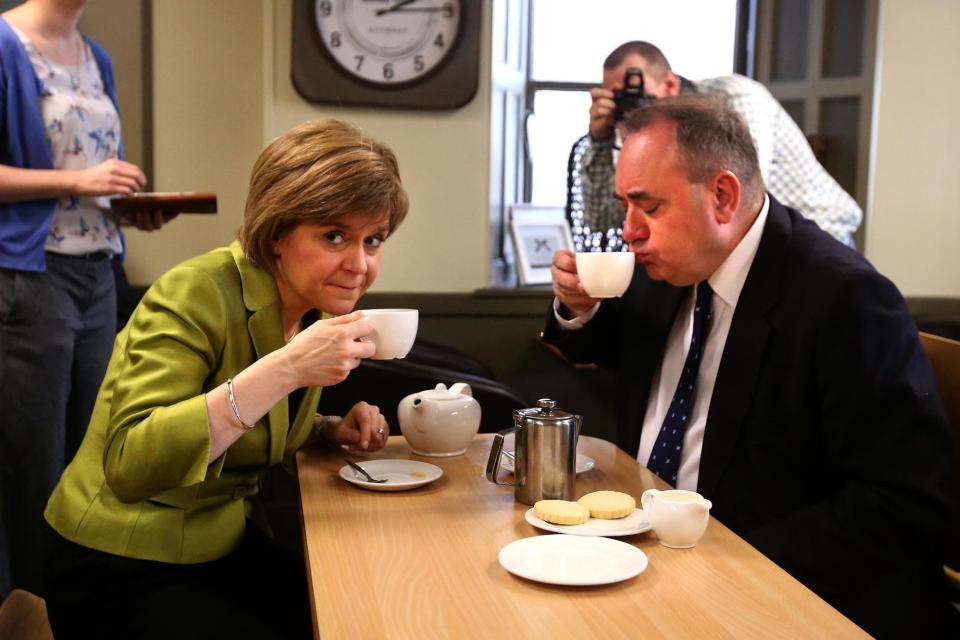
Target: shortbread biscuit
[(608, 505), (561, 511)]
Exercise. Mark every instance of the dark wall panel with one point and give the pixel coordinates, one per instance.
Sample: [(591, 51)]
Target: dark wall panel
[(791, 27), (839, 126), (796, 109), (843, 38)]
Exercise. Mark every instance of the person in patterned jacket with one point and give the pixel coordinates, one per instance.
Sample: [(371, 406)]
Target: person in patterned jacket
[(790, 170)]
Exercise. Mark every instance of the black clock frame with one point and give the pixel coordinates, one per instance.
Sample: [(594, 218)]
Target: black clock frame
[(319, 78)]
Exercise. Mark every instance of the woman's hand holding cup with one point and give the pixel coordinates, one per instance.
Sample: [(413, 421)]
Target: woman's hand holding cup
[(324, 353)]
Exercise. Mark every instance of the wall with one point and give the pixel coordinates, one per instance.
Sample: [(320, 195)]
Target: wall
[(444, 164), (99, 21), (914, 199), (222, 90), (208, 83)]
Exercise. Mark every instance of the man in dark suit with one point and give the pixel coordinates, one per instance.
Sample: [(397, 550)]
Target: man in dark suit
[(770, 368)]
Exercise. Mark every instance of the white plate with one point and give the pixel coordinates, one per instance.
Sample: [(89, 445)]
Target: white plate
[(634, 523), (584, 463), (572, 560), (400, 474)]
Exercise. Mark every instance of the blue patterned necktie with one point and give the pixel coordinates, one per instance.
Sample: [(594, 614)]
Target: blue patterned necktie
[(665, 457)]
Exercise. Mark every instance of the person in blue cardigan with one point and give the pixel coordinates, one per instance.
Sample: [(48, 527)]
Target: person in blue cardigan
[(60, 159)]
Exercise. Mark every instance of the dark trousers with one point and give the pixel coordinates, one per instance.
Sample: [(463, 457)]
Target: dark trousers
[(258, 591), (56, 334)]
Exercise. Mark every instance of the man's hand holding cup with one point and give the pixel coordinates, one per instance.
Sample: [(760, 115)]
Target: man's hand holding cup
[(574, 300)]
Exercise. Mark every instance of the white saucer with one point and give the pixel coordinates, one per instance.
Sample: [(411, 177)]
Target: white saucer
[(400, 474), (572, 560), (634, 523), (584, 463)]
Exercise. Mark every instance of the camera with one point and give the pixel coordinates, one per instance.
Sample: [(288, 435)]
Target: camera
[(632, 95)]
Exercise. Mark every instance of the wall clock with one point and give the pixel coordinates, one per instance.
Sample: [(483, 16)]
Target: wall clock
[(391, 53)]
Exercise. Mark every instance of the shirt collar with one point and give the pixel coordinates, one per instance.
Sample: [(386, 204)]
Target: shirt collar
[(728, 280)]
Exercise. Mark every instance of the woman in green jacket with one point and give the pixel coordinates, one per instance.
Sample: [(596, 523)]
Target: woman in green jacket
[(215, 378)]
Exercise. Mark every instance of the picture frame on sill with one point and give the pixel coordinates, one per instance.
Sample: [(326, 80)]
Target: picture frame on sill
[(538, 232)]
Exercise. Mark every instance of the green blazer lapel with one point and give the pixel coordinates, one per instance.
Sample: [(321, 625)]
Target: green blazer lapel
[(265, 325), (303, 421)]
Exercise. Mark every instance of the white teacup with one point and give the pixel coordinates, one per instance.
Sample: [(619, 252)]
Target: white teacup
[(605, 274), (394, 331), (678, 517)]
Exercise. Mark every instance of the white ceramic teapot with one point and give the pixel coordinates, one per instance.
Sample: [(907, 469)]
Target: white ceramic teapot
[(440, 422)]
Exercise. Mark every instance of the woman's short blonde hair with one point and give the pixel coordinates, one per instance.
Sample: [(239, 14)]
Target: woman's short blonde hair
[(318, 173)]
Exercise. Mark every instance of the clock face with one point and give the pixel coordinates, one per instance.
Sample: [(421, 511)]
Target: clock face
[(388, 42)]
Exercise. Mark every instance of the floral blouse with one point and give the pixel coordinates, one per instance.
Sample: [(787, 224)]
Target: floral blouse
[(83, 130)]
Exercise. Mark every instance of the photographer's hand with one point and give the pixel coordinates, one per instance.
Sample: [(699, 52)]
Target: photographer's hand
[(601, 114)]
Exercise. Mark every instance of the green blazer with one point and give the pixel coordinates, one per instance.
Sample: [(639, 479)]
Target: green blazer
[(140, 486)]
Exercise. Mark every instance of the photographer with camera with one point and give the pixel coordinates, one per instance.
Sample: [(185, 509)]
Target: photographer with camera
[(637, 72)]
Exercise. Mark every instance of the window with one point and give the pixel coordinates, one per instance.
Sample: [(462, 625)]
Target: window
[(547, 54), (569, 40)]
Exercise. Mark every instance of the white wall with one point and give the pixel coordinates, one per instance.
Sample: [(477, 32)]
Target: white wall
[(913, 232), (99, 21), (208, 122), (222, 91), (444, 164)]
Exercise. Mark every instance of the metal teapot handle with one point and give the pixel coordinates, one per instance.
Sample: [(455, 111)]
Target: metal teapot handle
[(493, 462)]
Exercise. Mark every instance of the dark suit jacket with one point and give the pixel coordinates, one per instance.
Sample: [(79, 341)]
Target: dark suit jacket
[(826, 445)]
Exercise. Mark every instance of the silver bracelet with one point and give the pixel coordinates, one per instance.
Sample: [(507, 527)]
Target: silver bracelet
[(233, 405)]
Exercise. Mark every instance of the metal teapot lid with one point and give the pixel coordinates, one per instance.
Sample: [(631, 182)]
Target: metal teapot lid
[(546, 411)]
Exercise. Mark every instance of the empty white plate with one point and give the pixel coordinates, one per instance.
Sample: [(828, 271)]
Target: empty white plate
[(400, 474), (634, 523), (584, 463), (572, 560)]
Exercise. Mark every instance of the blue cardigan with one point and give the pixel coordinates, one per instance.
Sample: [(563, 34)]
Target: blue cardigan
[(23, 144)]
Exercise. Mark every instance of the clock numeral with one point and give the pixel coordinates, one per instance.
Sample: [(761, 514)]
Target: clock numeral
[(335, 39), (447, 9), (388, 70), (325, 8), (359, 60), (438, 40), (418, 63)]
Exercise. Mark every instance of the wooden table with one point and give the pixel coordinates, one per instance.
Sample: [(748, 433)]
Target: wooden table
[(423, 564)]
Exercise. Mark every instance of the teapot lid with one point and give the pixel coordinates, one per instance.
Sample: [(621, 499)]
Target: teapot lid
[(546, 410), (440, 392)]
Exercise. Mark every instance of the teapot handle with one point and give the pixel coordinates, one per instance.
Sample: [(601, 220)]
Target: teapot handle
[(493, 462), (461, 388), (647, 496)]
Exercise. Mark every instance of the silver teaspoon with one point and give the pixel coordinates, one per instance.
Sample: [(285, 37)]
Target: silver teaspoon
[(357, 468)]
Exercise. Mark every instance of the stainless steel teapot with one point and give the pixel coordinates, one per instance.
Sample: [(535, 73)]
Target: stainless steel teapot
[(545, 453)]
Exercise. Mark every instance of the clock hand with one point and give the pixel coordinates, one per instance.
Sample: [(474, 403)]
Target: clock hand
[(422, 10), (402, 3)]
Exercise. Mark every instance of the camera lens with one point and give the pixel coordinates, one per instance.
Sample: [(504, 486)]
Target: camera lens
[(632, 96)]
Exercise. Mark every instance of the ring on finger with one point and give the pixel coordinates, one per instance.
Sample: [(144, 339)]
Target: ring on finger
[(380, 432)]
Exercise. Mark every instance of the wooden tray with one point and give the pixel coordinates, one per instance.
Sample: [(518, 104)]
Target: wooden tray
[(183, 202)]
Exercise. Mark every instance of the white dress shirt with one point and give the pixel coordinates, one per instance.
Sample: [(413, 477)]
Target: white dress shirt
[(727, 283)]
